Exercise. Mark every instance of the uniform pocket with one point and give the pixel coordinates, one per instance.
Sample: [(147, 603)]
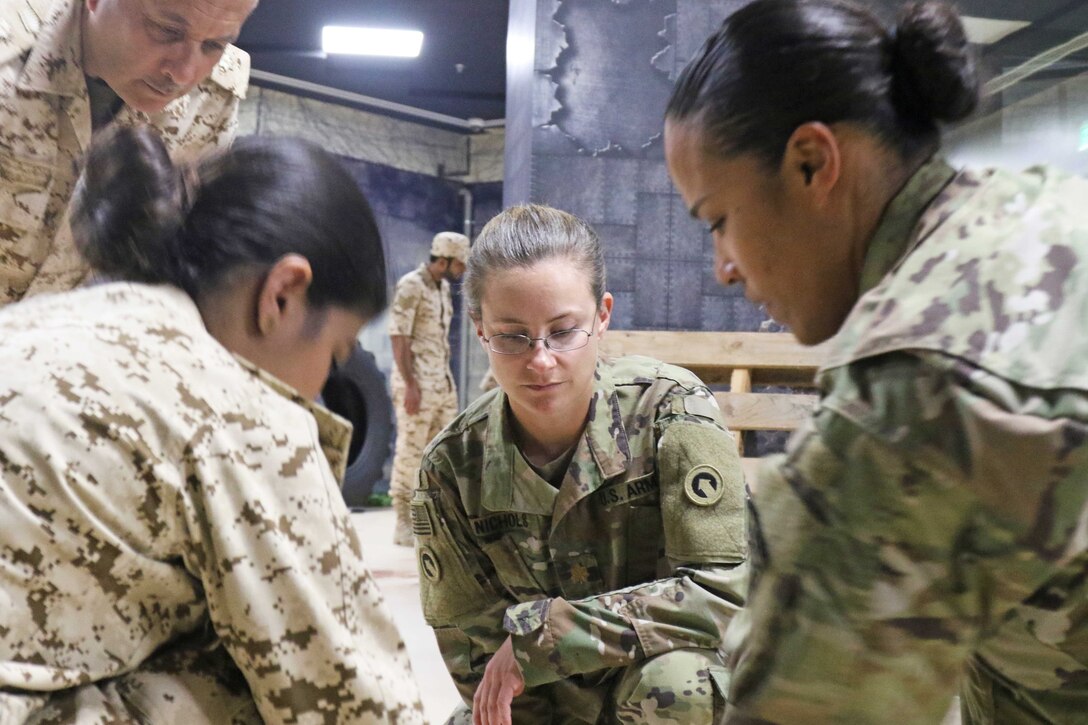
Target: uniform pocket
[(448, 585), (24, 195), (523, 575), (645, 543), (24, 192)]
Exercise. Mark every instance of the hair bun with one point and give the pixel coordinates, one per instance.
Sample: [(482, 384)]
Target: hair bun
[(129, 206), (933, 66)]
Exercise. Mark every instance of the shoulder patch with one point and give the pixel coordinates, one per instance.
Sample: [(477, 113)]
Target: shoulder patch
[(421, 522), (429, 566), (704, 485), (232, 71)]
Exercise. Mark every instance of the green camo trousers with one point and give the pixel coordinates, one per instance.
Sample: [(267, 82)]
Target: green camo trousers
[(683, 687)]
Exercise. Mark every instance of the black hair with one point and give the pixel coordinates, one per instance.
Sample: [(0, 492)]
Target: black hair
[(777, 64), (137, 216)]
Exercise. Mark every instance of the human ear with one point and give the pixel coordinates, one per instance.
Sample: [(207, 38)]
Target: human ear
[(604, 313), (812, 161), (282, 294)]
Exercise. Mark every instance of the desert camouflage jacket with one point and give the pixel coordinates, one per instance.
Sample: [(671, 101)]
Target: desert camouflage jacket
[(639, 551), (45, 128), (153, 487), (422, 310), (932, 517)]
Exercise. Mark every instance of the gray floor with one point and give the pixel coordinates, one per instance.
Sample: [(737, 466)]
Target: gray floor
[(395, 569)]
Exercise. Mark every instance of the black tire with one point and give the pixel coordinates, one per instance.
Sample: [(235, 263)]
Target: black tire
[(357, 391)]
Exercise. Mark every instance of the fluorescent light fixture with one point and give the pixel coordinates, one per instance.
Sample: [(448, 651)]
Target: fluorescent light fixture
[(371, 41), (985, 31)]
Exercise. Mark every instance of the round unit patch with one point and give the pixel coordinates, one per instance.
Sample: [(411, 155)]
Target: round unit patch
[(428, 564), (704, 486)]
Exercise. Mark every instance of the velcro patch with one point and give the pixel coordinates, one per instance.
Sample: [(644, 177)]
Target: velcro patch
[(704, 485), (625, 492), (498, 524)]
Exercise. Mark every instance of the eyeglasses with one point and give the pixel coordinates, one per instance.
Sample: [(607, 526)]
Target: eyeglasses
[(562, 341)]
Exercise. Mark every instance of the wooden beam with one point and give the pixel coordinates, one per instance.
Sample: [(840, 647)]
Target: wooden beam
[(753, 350), (765, 411), (751, 469), (773, 358), (740, 381)]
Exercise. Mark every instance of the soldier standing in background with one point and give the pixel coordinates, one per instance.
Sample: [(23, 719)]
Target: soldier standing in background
[(424, 394), (581, 529), (72, 67), (927, 528)]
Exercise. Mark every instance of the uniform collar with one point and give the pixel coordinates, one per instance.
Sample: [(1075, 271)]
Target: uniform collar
[(894, 236), (602, 452), (55, 63), (605, 435), (427, 278), (506, 485), (333, 432)]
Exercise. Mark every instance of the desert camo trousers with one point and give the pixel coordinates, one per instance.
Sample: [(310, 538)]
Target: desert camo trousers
[(192, 684), (414, 432)]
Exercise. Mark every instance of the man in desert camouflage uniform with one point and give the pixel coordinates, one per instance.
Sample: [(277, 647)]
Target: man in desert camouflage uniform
[(615, 586), (49, 106), (930, 521), (174, 541), (424, 394)]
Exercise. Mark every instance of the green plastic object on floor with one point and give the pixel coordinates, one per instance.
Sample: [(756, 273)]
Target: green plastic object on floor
[(379, 499)]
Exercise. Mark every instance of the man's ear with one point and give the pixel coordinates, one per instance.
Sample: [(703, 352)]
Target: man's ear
[(282, 294), (812, 161)]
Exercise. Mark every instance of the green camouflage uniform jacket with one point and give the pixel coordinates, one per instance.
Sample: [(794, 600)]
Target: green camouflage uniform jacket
[(929, 526), (638, 552), (422, 310), (45, 128), (154, 487)]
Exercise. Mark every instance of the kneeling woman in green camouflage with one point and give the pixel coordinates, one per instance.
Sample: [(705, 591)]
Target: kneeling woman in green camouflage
[(580, 530)]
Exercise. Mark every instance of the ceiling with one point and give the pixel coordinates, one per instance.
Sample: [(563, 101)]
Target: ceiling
[(283, 38), (1043, 25), (461, 71)]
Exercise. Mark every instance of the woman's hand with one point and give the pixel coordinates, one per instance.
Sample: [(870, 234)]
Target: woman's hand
[(501, 684)]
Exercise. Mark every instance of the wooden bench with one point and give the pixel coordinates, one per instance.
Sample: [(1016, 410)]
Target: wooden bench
[(741, 359)]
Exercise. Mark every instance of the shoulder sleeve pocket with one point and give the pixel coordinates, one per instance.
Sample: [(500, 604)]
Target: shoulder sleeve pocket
[(449, 582)]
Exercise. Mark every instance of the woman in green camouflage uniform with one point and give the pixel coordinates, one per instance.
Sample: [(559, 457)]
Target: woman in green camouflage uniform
[(580, 529), (928, 528)]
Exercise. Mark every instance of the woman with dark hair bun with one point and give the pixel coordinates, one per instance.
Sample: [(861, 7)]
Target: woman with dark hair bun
[(176, 548), (926, 530)]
